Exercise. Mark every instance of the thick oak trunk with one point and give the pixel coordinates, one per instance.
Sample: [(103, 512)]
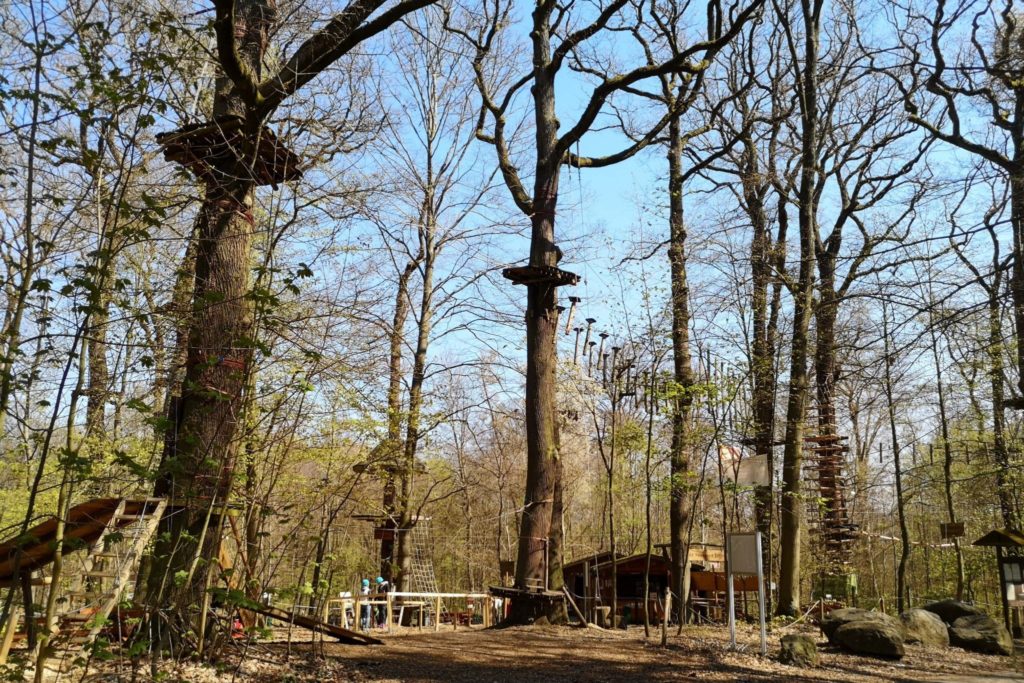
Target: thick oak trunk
[(532, 561), (200, 446), (543, 467), (679, 458)]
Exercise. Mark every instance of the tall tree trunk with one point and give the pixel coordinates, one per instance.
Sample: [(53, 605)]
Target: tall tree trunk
[(99, 316), (825, 316), (792, 458), (947, 447), (648, 494), (99, 372), (397, 338), (1017, 265), (905, 548), (766, 257), (393, 446), (407, 469), (200, 451), (1007, 507), (542, 471), (807, 204), (612, 548), (679, 458)]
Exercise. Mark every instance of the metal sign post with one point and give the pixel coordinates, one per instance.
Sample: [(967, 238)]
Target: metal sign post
[(743, 557)]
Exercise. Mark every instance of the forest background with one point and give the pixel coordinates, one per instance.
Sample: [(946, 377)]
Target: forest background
[(381, 323)]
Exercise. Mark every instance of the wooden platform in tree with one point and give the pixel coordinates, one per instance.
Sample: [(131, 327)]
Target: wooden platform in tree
[(513, 593), (540, 275), (216, 146)]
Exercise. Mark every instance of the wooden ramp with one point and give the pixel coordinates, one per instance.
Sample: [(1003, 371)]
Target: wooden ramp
[(86, 524), (342, 634), (116, 532)]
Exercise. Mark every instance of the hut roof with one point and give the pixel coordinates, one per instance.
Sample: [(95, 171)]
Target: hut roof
[(1004, 538)]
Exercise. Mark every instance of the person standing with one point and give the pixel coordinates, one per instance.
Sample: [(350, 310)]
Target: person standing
[(383, 587), (364, 611)]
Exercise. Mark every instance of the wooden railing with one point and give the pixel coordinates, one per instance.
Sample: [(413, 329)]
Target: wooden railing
[(401, 600)]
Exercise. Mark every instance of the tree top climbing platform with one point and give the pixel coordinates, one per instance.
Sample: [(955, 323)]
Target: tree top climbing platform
[(216, 146)]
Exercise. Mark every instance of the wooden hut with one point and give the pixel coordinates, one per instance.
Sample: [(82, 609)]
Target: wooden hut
[(589, 580)]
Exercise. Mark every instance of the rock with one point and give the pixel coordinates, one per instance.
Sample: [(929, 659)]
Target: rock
[(878, 638), (924, 627), (981, 633), (847, 615), (799, 650), (950, 610)]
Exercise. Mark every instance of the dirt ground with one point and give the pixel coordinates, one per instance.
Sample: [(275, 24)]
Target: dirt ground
[(549, 654), (556, 654)]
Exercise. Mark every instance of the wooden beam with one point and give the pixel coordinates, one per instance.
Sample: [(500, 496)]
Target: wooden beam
[(572, 603), (37, 581), (446, 596), (11, 627), (30, 617), (342, 634)]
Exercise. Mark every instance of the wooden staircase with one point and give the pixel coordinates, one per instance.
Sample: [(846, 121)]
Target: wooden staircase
[(108, 570)]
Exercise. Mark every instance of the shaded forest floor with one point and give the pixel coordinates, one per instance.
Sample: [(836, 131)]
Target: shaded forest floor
[(546, 654), (568, 654)]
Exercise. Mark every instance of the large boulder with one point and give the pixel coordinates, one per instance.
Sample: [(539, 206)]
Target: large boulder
[(924, 627), (950, 610), (877, 638), (981, 633), (799, 650), (847, 615)]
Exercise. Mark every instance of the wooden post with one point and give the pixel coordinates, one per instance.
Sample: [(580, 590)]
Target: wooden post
[(30, 620), (12, 626), (575, 609), (588, 611), (387, 607), (437, 614), (1003, 585), (664, 617)]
